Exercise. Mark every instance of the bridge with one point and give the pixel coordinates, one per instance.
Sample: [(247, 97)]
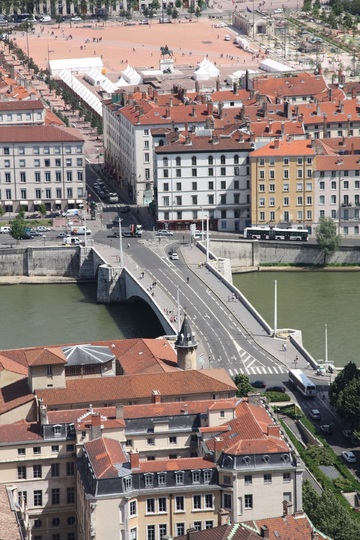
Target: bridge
[(231, 333)]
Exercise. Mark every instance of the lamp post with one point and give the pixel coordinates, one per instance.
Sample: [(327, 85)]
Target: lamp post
[(202, 224), (49, 51), (275, 308), (27, 40), (326, 345), (207, 239), (121, 246), (339, 162)]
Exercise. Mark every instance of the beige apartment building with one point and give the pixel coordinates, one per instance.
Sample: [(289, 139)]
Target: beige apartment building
[(282, 184)]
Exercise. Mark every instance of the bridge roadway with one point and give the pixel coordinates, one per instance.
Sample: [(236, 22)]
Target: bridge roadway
[(229, 335)]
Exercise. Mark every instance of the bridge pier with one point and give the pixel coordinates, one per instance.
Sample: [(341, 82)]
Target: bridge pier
[(111, 284)]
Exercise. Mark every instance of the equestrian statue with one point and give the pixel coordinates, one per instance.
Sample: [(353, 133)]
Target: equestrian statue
[(165, 51)]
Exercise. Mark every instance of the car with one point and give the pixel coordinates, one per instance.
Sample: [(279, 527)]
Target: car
[(227, 38), (174, 257), (281, 389), (326, 429), (258, 384), (172, 251), (27, 236), (315, 414), (102, 194), (125, 209), (348, 433), (349, 456), (144, 21), (164, 232), (42, 229), (278, 10), (220, 25), (62, 235), (76, 19)]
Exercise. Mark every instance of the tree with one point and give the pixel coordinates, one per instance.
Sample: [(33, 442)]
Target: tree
[(42, 209), (18, 227), (307, 5), (326, 236), (197, 12), (243, 385), (348, 404), (342, 380)]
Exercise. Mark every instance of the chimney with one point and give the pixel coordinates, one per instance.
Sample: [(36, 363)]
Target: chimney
[(215, 139), (223, 517), (217, 84), (143, 95), (276, 144), (353, 93), (270, 126), (264, 108), (352, 149), (197, 87), (247, 79), (314, 535), (171, 101), (324, 125), (210, 108), (235, 88), (341, 106), (264, 531), (254, 399), (167, 112), (218, 443), (203, 99), (134, 460), (155, 95), (330, 94), (156, 396), (220, 109), (286, 109), (282, 128), (193, 112), (43, 414), (96, 426), (318, 110), (191, 534), (312, 143), (273, 430), (119, 410), (141, 112), (287, 508)]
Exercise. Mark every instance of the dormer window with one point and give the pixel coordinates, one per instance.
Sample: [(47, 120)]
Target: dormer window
[(57, 430), (246, 460), (265, 459), (128, 482), (149, 480), (179, 478), (196, 477)]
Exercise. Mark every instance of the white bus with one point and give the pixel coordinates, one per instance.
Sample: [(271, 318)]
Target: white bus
[(302, 383), (276, 233)]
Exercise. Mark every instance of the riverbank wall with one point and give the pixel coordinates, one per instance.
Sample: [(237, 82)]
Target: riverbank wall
[(253, 253)]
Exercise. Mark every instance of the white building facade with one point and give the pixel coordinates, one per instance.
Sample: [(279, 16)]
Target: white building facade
[(41, 165)]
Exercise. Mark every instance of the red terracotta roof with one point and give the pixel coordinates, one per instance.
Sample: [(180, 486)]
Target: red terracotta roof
[(180, 464), (9, 528), (335, 111), (338, 163), (6, 364), (30, 104), (38, 134), (20, 432), (224, 532), (302, 84), (104, 454), (15, 394), (44, 357), (141, 386), (149, 356), (296, 527), (284, 148)]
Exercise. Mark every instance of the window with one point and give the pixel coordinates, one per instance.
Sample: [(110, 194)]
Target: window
[(69, 176), (272, 201), (70, 536), (193, 172), (248, 502), (272, 188), (196, 477), (162, 479), (166, 173), (55, 536), (128, 482), (179, 478), (179, 503), (194, 200), (150, 532), (21, 451), (207, 476), (55, 468), (209, 524), (37, 523), (222, 199), (6, 151), (227, 501), (178, 186), (262, 216), (7, 163), (38, 497), (178, 173), (178, 200), (286, 187), (166, 186), (197, 525), (70, 468), (55, 496), (37, 471), (22, 163), (210, 199), (150, 506), (222, 160), (287, 496), (162, 531), (333, 184), (286, 477), (223, 184), (194, 186), (333, 199), (172, 440), (180, 529), (162, 504), (70, 448), (22, 472), (267, 479), (70, 495), (132, 508), (248, 479), (272, 175), (209, 500), (193, 160), (299, 186), (262, 201), (37, 450), (151, 442), (286, 201), (223, 171), (196, 502), (299, 201), (178, 161), (286, 174), (58, 176)]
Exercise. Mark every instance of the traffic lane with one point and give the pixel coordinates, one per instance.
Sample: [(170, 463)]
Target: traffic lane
[(206, 324)]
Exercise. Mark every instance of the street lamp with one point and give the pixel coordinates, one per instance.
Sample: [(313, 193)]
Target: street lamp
[(326, 345), (339, 162), (121, 260), (275, 308), (296, 361)]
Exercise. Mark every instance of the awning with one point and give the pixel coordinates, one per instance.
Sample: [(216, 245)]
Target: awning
[(8, 203), (58, 201), (71, 201), (37, 202), (24, 203), (79, 201)]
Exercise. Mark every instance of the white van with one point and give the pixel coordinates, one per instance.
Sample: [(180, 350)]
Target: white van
[(71, 241), (45, 19), (71, 213), (5, 230)]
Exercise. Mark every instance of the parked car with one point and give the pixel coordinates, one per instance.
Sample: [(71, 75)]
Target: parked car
[(62, 235), (174, 256), (125, 209), (42, 229), (315, 414), (172, 251), (276, 389), (349, 456), (258, 384), (326, 429), (27, 236), (76, 19), (164, 232), (227, 38)]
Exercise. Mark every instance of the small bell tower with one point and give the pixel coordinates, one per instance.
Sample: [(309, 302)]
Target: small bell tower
[(186, 346)]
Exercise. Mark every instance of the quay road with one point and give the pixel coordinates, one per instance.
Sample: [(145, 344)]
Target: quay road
[(229, 336)]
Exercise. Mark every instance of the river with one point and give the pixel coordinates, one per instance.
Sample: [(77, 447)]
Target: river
[(67, 313), (307, 301)]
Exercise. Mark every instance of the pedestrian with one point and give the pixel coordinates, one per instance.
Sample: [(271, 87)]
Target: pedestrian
[(128, 246)]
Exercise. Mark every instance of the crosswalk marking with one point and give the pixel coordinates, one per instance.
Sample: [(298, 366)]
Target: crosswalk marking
[(257, 370)]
